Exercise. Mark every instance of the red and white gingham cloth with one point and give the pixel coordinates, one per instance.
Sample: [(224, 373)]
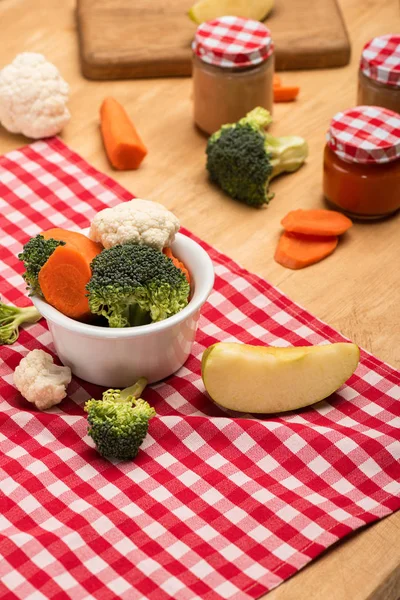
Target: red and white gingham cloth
[(380, 59), (366, 135), (233, 42), (213, 507)]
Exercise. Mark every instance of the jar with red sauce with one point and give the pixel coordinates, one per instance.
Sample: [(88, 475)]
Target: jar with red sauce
[(233, 69), (362, 162), (379, 74)]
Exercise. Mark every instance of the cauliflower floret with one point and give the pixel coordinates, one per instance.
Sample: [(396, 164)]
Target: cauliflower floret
[(40, 381), (137, 221), (33, 97)]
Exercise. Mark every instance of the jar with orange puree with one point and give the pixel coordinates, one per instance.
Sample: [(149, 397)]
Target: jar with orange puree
[(233, 69), (362, 162)]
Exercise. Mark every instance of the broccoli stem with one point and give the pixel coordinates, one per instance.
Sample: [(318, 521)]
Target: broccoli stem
[(287, 153), (11, 317), (135, 390), (138, 316)]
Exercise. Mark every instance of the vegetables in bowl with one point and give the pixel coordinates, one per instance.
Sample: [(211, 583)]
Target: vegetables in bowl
[(114, 357), (124, 271), (127, 310)]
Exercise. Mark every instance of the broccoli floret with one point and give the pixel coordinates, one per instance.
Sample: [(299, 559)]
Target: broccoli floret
[(242, 158), (11, 317), (119, 422), (34, 254), (133, 284)]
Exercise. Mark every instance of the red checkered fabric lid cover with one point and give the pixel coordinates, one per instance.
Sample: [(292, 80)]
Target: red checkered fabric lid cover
[(233, 42), (380, 59), (366, 135)]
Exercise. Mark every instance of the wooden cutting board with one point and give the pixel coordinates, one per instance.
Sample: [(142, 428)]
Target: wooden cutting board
[(124, 39)]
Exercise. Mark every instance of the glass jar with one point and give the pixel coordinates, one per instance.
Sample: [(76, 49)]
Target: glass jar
[(233, 68), (379, 73), (362, 162)]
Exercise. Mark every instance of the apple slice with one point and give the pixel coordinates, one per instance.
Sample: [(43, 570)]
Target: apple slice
[(262, 379), (205, 10)]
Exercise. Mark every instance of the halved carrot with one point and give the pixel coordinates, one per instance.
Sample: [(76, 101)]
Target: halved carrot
[(296, 251), (77, 240), (122, 142), (177, 262), (285, 94), (316, 222), (63, 279), (276, 81)]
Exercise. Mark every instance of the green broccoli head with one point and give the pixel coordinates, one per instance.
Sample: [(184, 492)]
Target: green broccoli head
[(132, 284), (34, 254), (238, 163), (242, 158), (118, 423)]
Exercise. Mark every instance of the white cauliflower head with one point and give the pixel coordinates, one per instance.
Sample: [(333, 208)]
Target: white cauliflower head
[(40, 381), (33, 97), (137, 221)]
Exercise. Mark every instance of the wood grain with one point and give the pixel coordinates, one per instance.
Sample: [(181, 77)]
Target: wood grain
[(121, 39), (355, 290), (308, 34)]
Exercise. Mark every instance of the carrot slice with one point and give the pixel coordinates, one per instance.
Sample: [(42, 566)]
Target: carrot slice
[(285, 94), (77, 240), (177, 263), (63, 279), (122, 142), (316, 222), (296, 251), (276, 81)]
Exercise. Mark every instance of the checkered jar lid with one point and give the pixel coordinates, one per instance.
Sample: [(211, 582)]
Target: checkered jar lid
[(380, 59), (366, 135), (233, 42)]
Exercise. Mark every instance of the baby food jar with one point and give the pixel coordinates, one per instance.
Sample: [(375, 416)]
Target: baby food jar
[(362, 162), (233, 68), (379, 74)]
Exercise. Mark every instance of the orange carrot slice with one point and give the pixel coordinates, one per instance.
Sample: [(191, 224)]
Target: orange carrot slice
[(63, 279), (177, 263), (285, 94), (122, 142), (316, 222), (77, 240), (296, 251)]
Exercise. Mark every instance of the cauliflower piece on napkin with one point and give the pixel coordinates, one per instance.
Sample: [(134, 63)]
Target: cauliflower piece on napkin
[(40, 381)]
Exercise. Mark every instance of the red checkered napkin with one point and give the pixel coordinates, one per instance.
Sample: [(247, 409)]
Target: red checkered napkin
[(214, 506)]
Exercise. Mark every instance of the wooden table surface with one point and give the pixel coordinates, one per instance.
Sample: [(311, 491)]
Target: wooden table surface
[(356, 290)]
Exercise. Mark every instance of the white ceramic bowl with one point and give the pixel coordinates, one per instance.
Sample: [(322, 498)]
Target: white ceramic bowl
[(114, 357)]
